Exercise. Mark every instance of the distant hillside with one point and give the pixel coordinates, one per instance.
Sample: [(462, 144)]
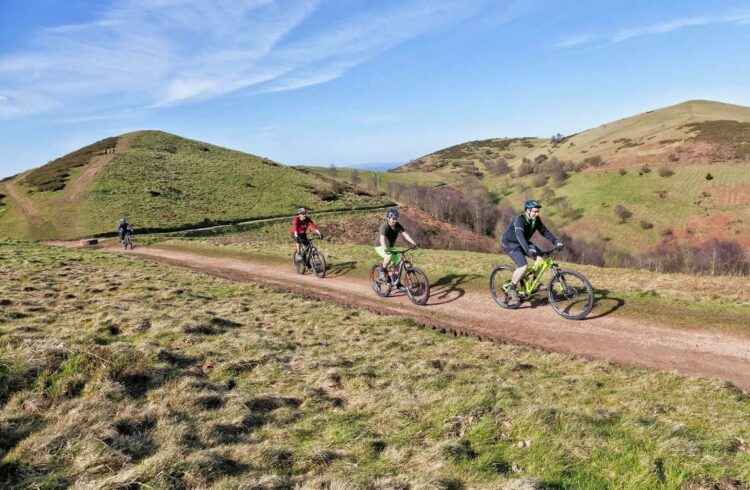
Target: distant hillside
[(653, 183), (161, 181), (696, 131)]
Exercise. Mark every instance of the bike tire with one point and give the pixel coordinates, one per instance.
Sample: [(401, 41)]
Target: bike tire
[(571, 295), (128, 243), (417, 286), (379, 284), (298, 263), (318, 263), (499, 278)]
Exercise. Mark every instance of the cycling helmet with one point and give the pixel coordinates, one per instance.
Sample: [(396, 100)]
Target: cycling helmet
[(392, 212), (122, 220), (302, 211), (530, 204)]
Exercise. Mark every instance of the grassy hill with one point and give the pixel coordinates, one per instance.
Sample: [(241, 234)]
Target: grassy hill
[(120, 373), (682, 173), (161, 181), (697, 131)]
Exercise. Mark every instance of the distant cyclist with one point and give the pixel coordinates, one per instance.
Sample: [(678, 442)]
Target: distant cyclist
[(300, 224), (516, 241), (124, 229), (386, 240)]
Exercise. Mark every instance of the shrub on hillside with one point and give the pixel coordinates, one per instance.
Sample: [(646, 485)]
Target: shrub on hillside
[(622, 171), (646, 225), (498, 166), (622, 213), (526, 168), (539, 180), (594, 161), (709, 176), (666, 172)]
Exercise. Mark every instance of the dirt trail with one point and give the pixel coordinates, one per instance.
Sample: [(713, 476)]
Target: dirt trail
[(460, 312), (81, 185), (23, 202)]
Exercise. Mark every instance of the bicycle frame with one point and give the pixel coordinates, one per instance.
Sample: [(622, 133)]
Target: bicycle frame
[(307, 250), (402, 264), (529, 287)]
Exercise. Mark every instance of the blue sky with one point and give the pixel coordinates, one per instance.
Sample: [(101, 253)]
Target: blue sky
[(349, 81)]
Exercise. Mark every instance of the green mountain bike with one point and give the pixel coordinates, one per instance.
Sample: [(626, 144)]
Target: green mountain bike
[(311, 259), (570, 293), (405, 276)]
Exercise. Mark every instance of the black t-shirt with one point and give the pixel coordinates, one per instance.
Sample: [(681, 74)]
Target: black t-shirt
[(390, 232)]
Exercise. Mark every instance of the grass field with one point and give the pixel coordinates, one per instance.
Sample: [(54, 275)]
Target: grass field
[(121, 373), (163, 181), (687, 301)]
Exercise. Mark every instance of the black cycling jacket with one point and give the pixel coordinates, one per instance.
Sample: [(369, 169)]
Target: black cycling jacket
[(520, 230)]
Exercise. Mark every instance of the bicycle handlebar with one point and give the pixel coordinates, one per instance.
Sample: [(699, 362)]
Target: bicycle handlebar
[(402, 252)]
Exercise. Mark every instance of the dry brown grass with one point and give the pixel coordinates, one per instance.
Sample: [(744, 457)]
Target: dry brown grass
[(115, 373)]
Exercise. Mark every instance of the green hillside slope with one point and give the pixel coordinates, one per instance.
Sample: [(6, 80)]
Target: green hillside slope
[(680, 172), (161, 181)]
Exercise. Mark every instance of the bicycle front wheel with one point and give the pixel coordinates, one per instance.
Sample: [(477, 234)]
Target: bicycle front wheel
[(500, 281), (128, 242), (378, 282), (298, 262), (571, 295), (318, 263), (417, 286)]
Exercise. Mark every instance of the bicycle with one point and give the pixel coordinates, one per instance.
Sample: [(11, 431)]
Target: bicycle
[(127, 239), (570, 293), (415, 281), (311, 259)]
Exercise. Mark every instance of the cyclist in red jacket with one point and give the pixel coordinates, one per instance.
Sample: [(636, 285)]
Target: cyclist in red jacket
[(300, 224)]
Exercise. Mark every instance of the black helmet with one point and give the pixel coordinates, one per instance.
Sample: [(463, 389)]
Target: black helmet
[(530, 204), (392, 212)]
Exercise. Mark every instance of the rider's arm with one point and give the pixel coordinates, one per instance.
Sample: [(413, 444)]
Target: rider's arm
[(546, 233), (382, 242), (408, 238)]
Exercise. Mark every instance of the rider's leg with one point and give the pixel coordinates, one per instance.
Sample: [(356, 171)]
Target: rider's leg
[(387, 257), (516, 253)]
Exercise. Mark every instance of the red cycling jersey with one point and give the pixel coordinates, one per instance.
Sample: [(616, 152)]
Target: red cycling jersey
[(300, 226)]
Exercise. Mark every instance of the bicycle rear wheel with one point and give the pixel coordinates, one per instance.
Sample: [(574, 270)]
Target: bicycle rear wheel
[(378, 282), (318, 263), (298, 262), (571, 295), (417, 286), (500, 281)]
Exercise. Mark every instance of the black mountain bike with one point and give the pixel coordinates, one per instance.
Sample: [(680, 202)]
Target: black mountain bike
[(414, 281), (311, 259), (127, 239), (570, 293)]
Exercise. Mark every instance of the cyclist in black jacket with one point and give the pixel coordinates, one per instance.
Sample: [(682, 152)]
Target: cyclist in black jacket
[(516, 240)]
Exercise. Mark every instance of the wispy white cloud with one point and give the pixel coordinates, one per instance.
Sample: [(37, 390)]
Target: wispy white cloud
[(738, 18), (155, 53), (569, 42)]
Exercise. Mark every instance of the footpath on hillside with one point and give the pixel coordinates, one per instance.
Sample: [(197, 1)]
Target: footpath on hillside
[(461, 312)]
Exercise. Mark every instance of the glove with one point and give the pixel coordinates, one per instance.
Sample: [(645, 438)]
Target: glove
[(321, 236), (416, 246), (533, 251), (559, 245)]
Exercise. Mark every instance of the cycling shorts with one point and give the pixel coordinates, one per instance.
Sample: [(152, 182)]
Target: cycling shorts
[(381, 250)]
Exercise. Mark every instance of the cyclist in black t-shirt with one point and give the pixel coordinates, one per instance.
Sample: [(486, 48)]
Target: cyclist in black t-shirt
[(386, 239)]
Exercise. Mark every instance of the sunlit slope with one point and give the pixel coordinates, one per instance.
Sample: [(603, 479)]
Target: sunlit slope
[(163, 181), (697, 131)]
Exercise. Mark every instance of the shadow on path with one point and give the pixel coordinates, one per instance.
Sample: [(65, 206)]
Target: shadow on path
[(340, 269), (604, 304), (446, 289)]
